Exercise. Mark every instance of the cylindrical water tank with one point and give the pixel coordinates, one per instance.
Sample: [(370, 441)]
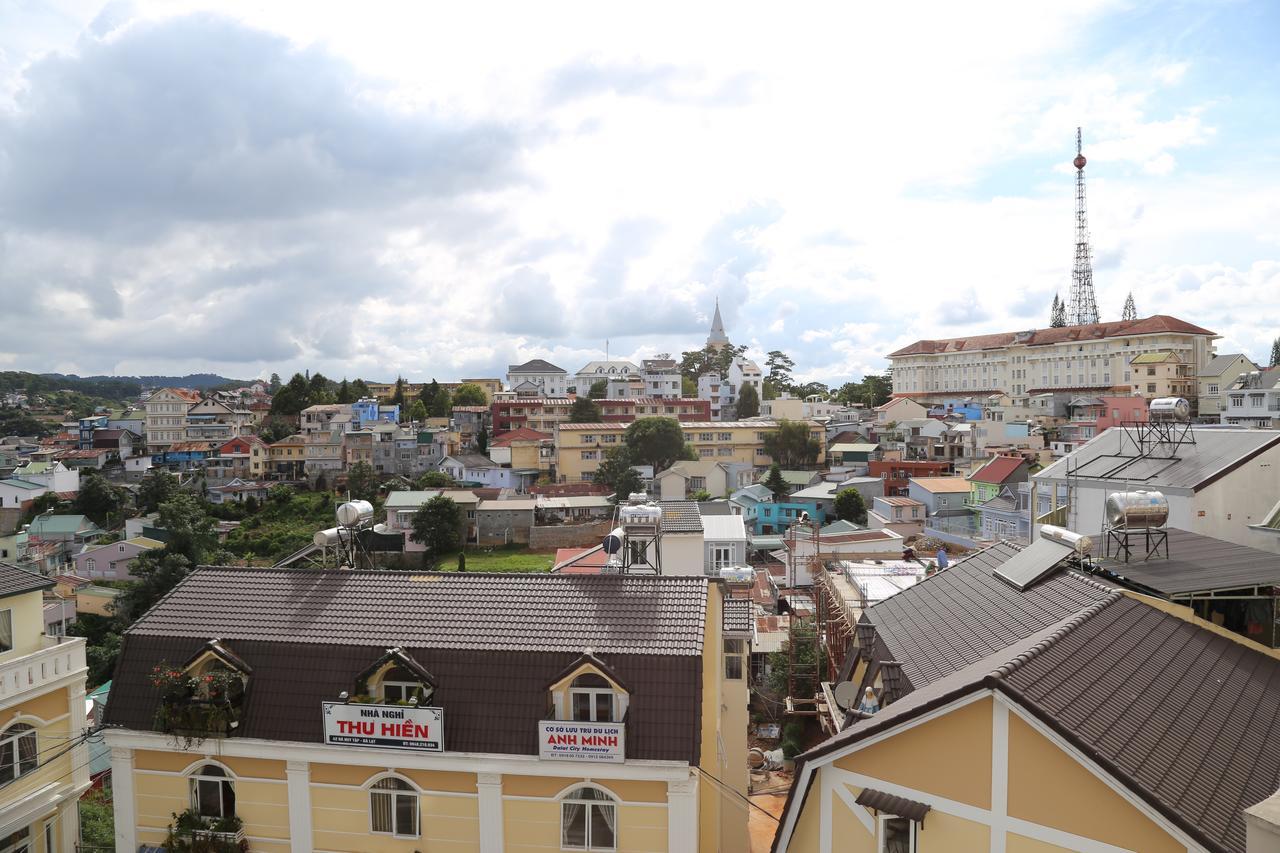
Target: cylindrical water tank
[(325, 538), (1170, 409), (355, 513), (1080, 543), (1136, 510), (640, 514), (613, 542)]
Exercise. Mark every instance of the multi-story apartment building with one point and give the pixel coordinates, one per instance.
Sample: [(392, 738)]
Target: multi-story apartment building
[(721, 392), (1094, 358), (287, 457), (167, 417), (319, 724), (544, 414), (602, 371), (320, 417), (1253, 399), (1216, 377), (44, 760), (538, 378), (1163, 374), (581, 447), (661, 377), (213, 420)]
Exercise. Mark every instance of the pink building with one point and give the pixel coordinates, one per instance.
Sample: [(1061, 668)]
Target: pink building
[(1088, 417)]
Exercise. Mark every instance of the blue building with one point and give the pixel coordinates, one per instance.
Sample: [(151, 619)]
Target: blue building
[(368, 411), (87, 426), (776, 517), (965, 407)]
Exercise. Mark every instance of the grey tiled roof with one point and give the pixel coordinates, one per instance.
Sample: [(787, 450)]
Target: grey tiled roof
[(738, 615), (14, 581), (681, 517), (535, 365), (964, 613), (625, 614)]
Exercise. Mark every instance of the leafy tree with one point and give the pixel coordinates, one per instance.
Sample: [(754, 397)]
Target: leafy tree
[(874, 390), (275, 383), (189, 529), (585, 410), (441, 406), (688, 387), (281, 493), (417, 412), (700, 495), (436, 480), (599, 390), (274, 428), (155, 573), (791, 445), (100, 501), (322, 482), (46, 502), (437, 525), (102, 643), (709, 359), (850, 506), (482, 441), (250, 505), (362, 481), (462, 562), (292, 398), (658, 442), (774, 481), (780, 366), (1275, 353), (318, 391), (429, 392), (157, 486), (397, 395), (360, 389), (1058, 314), (97, 821), (810, 389), (748, 402), (345, 394), (469, 394), (615, 471)]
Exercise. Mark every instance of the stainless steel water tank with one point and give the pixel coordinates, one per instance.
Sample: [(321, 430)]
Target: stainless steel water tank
[(325, 538), (1135, 510), (1170, 409), (1079, 543), (355, 513)]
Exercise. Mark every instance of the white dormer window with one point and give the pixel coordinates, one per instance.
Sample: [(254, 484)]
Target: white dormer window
[(592, 699)]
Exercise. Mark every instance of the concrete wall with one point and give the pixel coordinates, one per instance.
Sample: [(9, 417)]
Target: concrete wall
[(568, 535)]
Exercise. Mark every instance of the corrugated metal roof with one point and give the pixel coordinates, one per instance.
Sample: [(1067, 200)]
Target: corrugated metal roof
[(1215, 452), (1195, 563), (724, 527)]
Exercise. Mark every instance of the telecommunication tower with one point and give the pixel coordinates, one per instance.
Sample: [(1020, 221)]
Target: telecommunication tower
[(1082, 308)]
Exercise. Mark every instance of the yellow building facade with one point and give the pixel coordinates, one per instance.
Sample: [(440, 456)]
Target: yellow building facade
[(307, 793), (580, 448), (44, 762)]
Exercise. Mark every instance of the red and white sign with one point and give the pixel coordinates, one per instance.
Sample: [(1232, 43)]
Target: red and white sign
[(384, 726), (567, 740)]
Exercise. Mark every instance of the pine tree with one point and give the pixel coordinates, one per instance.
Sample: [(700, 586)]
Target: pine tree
[(1058, 314), (1130, 312), (1275, 353)]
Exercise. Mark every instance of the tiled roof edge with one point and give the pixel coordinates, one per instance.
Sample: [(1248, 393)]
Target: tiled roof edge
[(1065, 627)]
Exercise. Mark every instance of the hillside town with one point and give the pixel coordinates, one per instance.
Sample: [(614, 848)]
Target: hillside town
[(515, 429)]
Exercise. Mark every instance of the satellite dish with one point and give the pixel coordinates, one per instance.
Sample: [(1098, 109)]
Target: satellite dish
[(846, 693)]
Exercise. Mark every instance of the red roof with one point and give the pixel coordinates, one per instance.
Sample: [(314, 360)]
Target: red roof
[(1158, 324), (520, 434), (586, 561), (999, 469)]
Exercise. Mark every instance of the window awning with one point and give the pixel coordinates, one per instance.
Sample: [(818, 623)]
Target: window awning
[(889, 804)]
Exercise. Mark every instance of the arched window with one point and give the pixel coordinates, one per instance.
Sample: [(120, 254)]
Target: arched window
[(393, 807), (592, 699), (19, 752), (588, 820), (213, 795)]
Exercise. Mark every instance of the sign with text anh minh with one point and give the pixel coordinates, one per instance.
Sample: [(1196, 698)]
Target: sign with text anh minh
[(384, 726), (568, 740)]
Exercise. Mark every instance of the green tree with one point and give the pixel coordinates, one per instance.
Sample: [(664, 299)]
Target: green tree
[(780, 366), (748, 402), (1275, 353), (397, 395), (360, 389), (417, 412), (362, 481), (658, 442), (774, 481), (585, 410), (462, 561), (599, 390), (292, 398), (436, 480), (97, 821), (616, 473), (155, 574), (318, 390), (102, 643), (100, 501), (689, 387), (345, 394), (280, 494), (275, 383), (189, 528), (47, 502), (791, 445), (157, 486), (810, 389), (482, 441), (442, 405), (437, 525), (469, 394), (850, 506), (700, 495), (1058, 313), (274, 428), (429, 392)]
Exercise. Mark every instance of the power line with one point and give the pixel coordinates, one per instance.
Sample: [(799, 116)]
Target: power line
[(725, 788)]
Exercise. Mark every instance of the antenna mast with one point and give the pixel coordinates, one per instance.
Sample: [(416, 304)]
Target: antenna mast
[(1082, 309)]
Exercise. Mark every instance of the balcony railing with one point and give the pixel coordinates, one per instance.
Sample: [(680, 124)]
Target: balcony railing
[(28, 675)]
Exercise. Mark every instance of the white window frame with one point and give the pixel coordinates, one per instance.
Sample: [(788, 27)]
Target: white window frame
[(49, 836), (395, 793), (406, 687), (883, 819), (196, 776), (11, 739), (611, 803), (721, 556), (22, 844), (733, 650)]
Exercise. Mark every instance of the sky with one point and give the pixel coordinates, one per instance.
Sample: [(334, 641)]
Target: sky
[(440, 190)]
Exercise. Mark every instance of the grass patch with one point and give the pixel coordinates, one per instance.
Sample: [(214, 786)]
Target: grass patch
[(502, 560)]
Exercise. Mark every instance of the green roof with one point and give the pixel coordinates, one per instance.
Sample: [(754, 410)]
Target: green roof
[(36, 467), (21, 484), (1152, 358), (69, 524)]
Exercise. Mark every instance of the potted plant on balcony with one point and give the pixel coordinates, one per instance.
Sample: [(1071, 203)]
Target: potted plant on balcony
[(197, 706), (191, 832)]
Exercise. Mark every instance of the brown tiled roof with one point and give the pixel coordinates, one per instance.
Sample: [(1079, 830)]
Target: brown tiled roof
[(964, 613), (308, 635), (14, 580), (1158, 324)]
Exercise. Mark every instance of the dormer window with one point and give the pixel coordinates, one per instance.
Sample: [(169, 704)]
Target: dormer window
[(400, 685), (591, 699), (396, 678)]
